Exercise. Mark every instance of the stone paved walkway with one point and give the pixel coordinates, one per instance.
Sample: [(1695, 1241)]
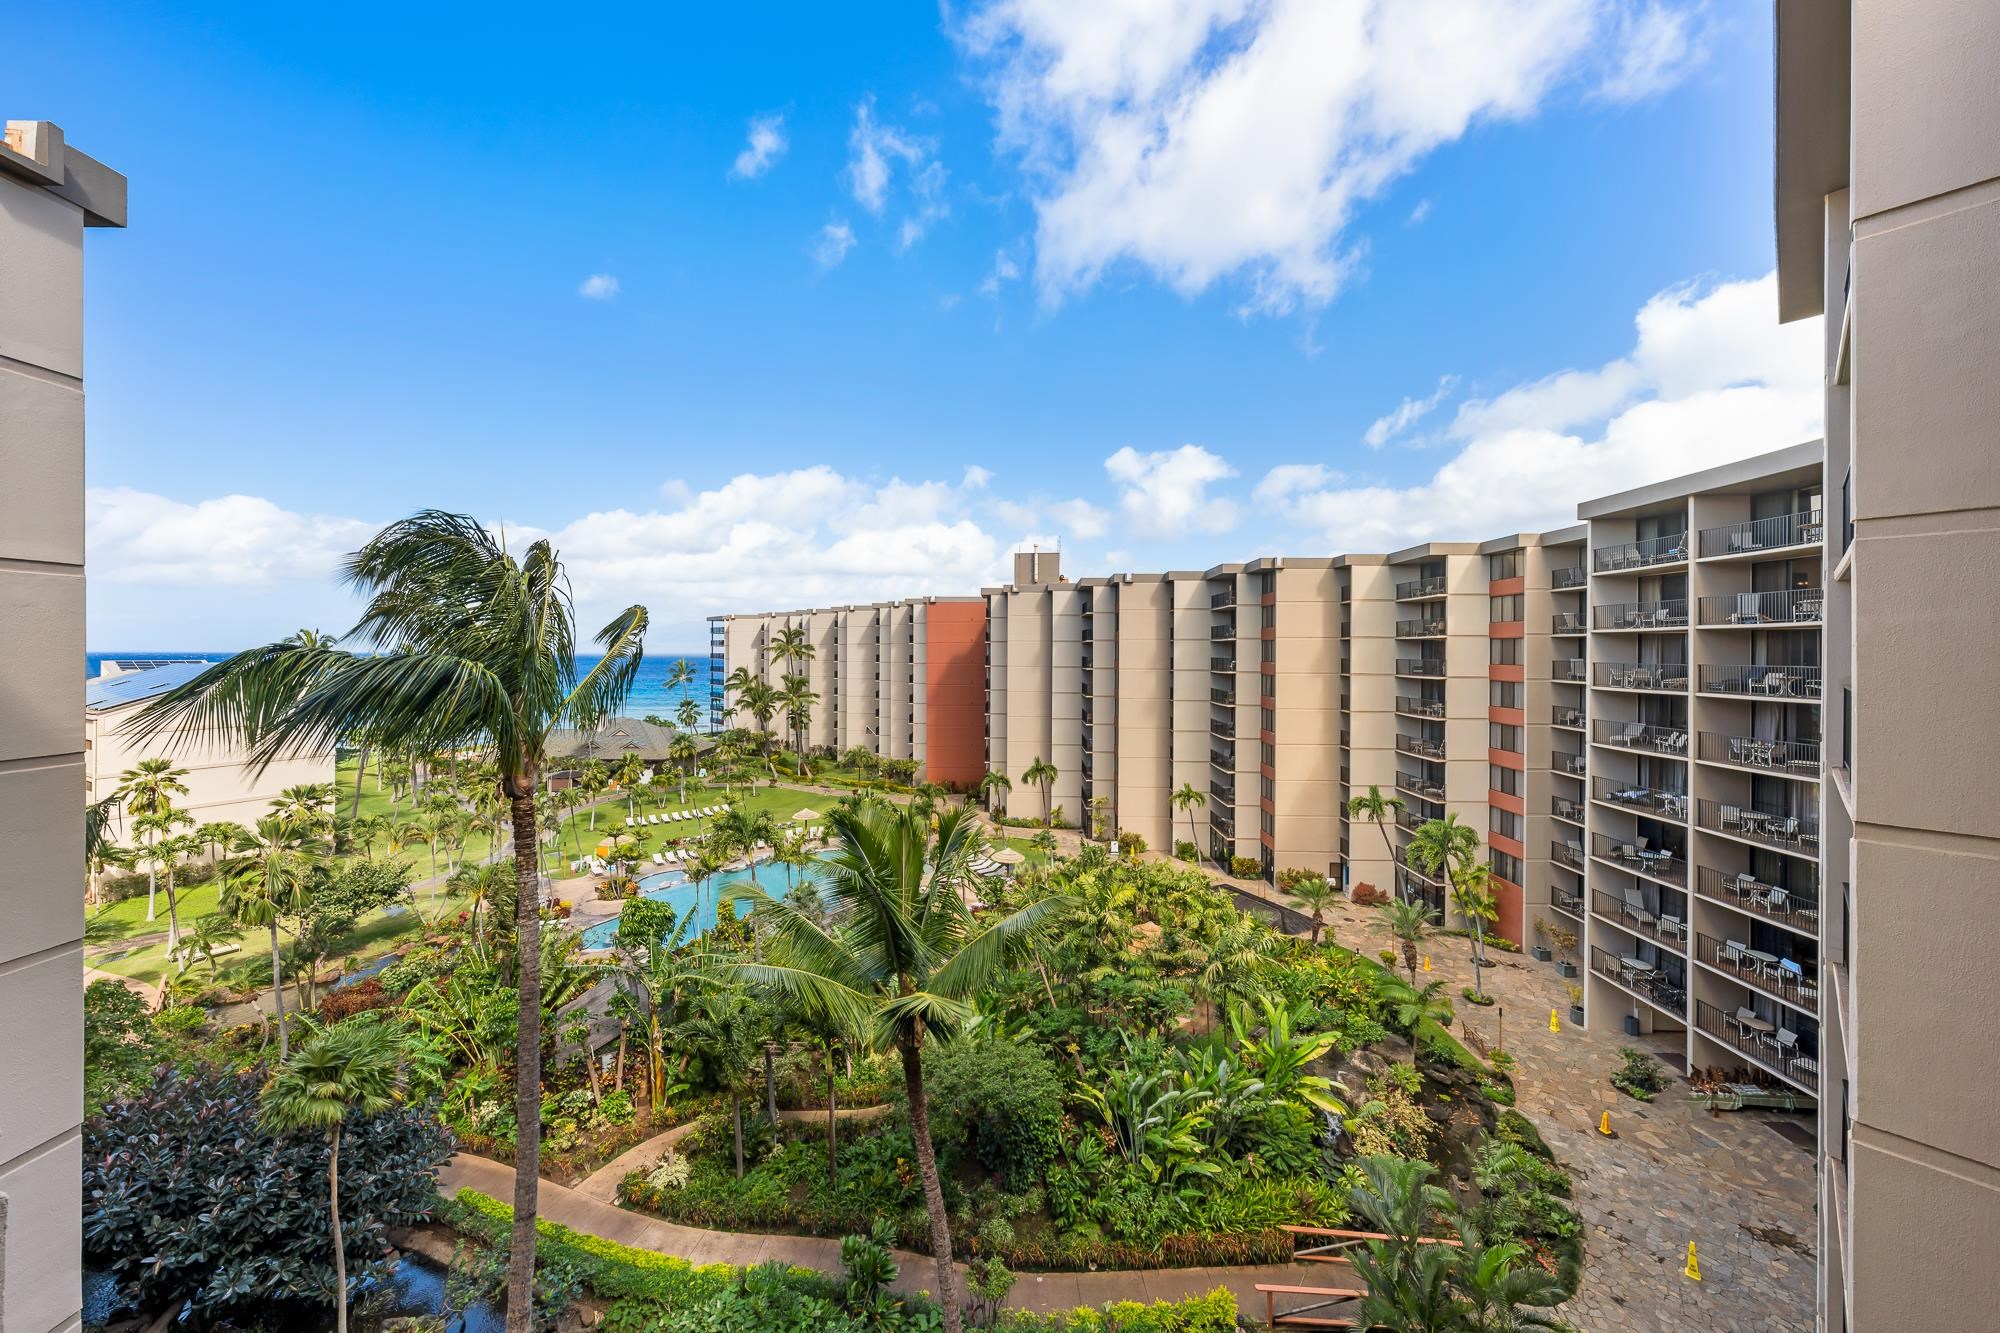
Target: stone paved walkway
[(602, 1184)]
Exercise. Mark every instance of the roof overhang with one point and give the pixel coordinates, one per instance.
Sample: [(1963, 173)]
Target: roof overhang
[(1811, 43)]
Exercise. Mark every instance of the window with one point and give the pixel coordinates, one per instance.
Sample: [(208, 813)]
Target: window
[(1267, 650), (1267, 788), (1504, 737), (1505, 823), (1502, 779), (1505, 652), (1267, 719), (1504, 609), (1506, 867), (1269, 754), (1504, 693), (1503, 565)]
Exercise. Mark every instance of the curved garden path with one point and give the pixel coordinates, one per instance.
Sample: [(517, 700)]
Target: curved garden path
[(602, 1184)]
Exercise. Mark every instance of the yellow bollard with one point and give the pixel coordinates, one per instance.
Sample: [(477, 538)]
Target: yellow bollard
[(1693, 1271), (1554, 1026), (1604, 1125), (1427, 962)]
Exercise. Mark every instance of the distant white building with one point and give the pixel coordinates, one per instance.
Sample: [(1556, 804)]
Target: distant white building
[(221, 784)]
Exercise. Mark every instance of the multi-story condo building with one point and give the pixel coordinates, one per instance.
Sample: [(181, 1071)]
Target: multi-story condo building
[(49, 194), (1701, 831), (1888, 223)]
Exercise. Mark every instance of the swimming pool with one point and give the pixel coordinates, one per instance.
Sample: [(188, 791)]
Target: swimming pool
[(672, 888)]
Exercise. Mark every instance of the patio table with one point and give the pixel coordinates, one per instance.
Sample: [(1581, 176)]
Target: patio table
[(1765, 961)]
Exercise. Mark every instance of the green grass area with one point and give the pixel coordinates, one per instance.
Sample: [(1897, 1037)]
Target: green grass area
[(780, 802), (375, 802)]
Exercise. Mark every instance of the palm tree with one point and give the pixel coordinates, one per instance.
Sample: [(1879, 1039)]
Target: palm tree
[(1378, 810), (687, 715), (352, 1068), (593, 778), (173, 854), (629, 771), (462, 644), (155, 829), (308, 803), (1408, 1282), (205, 939), (907, 964), (1472, 896), (1313, 895), (1409, 922), (718, 1048), (683, 751), (761, 702), (993, 787), (268, 877), (798, 697), (149, 788), (1413, 1007), (1442, 849), (1187, 800), (1043, 774), (1499, 1284), (679, 676)]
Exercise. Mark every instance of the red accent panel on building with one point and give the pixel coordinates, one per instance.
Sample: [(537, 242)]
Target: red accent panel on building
[(1501, 800), (1507, 629), (1501, 671), (1507, 587), (1507, 717), (1507, 759), (955, 693)]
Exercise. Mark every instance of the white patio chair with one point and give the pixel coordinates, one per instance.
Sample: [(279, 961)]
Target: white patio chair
[(1631, 734)]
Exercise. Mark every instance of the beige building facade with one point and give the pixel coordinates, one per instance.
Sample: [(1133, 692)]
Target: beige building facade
[(49, 194), (1888, 224)]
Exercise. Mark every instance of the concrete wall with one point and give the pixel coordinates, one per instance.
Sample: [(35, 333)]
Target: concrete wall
[(220, 785)]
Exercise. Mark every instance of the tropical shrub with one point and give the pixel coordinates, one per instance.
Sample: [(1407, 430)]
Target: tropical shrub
[(1002, 1099), (1186, 851), (1640, 1077), (188, 1200), (120, 1043), (1245, 867)]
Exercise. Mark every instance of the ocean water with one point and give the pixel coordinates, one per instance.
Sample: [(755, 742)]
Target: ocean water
[(649, 692)]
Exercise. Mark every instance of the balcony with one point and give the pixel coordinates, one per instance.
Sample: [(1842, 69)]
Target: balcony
[(1572, 764), (1747, 894), (1408, 707), (1662, 986), (1223, 759), (1413, 887), (1790, 759), (1567, 622), (1629, 914), (1222, 791), (1567, 854), (1763, 534), (1641, 615), (1796, 832), (1429, 667), (1222, 631), (1569, 670), (1639, 857), (1420, 747), (1218, 695), (1641, 737), (1645, 800), (1567, 901), (1420, 629), (1567, 810), (1223, 822), (1417, 590), (1222, 664), (1650, 677), (1563, 715), (1218, 600), (1218, 727), (1751, 610), (1788, 980), (1406, 819), (1760, 681), (1769, 1046), (1420, 786), (1653, 552), (1572, 576)]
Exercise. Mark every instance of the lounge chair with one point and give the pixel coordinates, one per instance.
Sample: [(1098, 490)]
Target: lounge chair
[(1787, 1043), (1674, 926), (1631, 734), (629, 821), (659, 859), (1772, 682)]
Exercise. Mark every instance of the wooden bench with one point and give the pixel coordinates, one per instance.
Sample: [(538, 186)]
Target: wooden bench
[(1303, 1317), (1338, 1241)]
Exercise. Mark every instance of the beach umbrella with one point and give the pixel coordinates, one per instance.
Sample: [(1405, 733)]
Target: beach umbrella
[(805, 816)]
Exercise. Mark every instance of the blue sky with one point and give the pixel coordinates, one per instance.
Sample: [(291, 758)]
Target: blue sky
[(984, 252)]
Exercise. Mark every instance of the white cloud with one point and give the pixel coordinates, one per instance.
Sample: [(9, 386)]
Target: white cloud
[(1712, 378), (832, 243), (1657, 46), (1419, 213), (927, 204), (1080, 518), (598, 287), (1165, 492), (876, 153), (766, 144), (1284, 481), (976, 477), (1005, 269), (1407, 414), (1237, 139), (233, 541)]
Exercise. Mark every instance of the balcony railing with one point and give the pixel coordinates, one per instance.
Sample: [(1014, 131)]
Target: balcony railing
[(1570, 577), (1659, 677), (1641, 615), (1218, 600), (1422, 786), (1792, 759), (1573, 764), (1635, 796), (1631, 916), (1401, 856), (1222, 631), (1411, 886), (1796, 831), (1420, 747), (1222, 664), (1791, 1060), (1764, 534), (1567, 622), (1567, 853), (1221, 696), (1226, 730), (1416, 589), (1563, 715), (1763, 682), (1409, 707), (1786, 606), (1564, 808), (1798, 912), (1669, 550), (1793, 981), (1222, 759), (1569, 670), (1666, 864), (1642, 737), (1664, 987), (1222, 791), (1420, 666), (1420, 629), (1566, 900)]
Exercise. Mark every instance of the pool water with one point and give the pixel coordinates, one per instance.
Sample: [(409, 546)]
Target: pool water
[(672, 888)]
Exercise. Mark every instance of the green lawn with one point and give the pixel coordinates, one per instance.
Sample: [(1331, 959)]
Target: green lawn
[(375, 802), (780, 802)]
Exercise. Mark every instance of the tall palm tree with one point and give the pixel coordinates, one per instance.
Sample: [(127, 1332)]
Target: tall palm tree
[(1187, 800), (593, 779), (687, 715), (463, 644), (798, 697), (173, 854), (1442, 849), (761, 702), (629, 771), (156, 829), (149, 788), (907, 963), (1472, 898), (100, 848), (718, 1047), (349, 1069), (1408, 922), (994, 787), (1043, 774), (682, 750), (267, 878), (1378, 810), (679, 676)]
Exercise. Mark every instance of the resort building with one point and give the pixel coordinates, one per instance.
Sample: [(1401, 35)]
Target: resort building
[(49, 194), (1888, 224), (222, 784)]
